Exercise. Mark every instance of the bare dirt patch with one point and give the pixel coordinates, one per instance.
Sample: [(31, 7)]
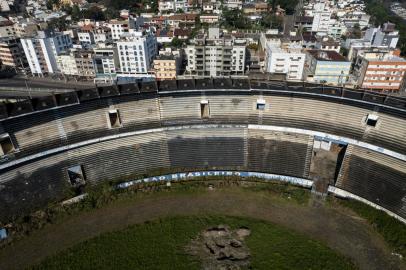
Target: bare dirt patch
[(221, 248)]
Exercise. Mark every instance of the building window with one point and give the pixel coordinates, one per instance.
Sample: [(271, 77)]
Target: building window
[(114, 119), (261, 104), (6, 145), (204, 109), (76, 176), (371, 120)]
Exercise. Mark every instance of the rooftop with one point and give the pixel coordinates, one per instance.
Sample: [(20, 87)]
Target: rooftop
[(322, 55)]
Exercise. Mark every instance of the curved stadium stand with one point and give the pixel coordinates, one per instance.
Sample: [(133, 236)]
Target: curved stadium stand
[(121, 131)]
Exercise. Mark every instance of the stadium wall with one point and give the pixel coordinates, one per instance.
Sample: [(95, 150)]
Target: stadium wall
[(259, 127)]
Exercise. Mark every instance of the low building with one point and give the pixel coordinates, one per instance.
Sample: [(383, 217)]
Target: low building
[(182, 34), (328, 44), (380, 70), (172, 5), (327, 67), (182, 20), (233, 4), (209, 18)]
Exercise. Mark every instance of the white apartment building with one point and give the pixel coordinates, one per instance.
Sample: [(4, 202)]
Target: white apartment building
[(41, 51), (90, 34), (213, 56), (289, 61), (67, 64), (136, 52), (172, 5), (233, 4), (336, 29), (102, 34), (321, 21), (86, 37), (118, 28), (106, 63)]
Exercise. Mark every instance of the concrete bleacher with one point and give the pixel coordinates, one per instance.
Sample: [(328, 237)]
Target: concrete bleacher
[(279, 153), (379, 178), (162, 128), (208, 148)]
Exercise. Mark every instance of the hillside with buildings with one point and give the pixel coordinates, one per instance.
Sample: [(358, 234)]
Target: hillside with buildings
[(342, 43)]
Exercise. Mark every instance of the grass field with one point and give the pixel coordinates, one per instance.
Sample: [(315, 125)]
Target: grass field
[(392, 230), (160, 245)]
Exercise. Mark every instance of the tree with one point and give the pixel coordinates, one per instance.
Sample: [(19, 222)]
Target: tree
[(272, 21), (75, 13), (356, 31), (288, 5), (51, 3), (59, 24), (94, 13), (235, 19), (176, 42)]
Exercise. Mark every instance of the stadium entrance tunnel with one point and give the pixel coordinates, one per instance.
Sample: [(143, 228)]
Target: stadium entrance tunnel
[(326, 162)]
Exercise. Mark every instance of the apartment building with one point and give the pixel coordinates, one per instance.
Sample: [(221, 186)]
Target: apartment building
[(41, 51), (288, 60), (85, 35), (215, 55), (336, 29), (11, 53), (76, 63), (380, 70), (120, 27), (136, 52), (90, 34), (321, 17), (327, 67), (167, 67)]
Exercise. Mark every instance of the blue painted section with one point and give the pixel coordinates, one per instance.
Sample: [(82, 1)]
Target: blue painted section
[(190, 175), (328, 139), (3, 234)]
